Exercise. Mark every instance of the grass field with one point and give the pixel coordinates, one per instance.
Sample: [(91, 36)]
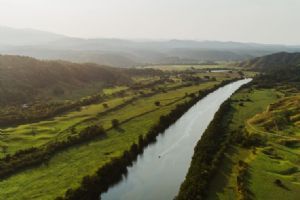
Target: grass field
[(273, 168), (246, 104), (280, 159), (37, 134), (66, 169)]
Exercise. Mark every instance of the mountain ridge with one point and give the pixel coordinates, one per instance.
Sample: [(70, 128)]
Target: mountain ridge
[(128, 53)]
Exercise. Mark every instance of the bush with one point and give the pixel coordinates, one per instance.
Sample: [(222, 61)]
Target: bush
[(157, 103), (253, 140), (115, 123)]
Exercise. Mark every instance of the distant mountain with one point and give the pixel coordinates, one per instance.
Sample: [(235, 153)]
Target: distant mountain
[(128, 53), (17, 37), (272, 62), (103, 58)]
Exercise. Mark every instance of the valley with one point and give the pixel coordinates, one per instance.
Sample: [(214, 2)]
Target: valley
[(149, 100)]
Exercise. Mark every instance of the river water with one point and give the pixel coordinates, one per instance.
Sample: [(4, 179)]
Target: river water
[(159, 171)]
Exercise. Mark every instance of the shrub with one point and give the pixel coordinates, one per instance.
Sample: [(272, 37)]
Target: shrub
[(157, 103), (115, 123)]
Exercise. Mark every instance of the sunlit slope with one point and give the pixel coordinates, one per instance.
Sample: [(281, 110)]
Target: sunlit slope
[(277, 165), (23, 79), (282, 117)]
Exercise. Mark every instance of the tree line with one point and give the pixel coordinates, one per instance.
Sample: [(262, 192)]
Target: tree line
[(207, 155), (23, 159)]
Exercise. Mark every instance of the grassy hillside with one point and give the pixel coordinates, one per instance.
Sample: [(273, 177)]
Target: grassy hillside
[(245, 104), (273, 62), (277, 164), (23, 79)]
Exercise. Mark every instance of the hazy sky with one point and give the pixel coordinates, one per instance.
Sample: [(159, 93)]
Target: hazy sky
[(265, 21)]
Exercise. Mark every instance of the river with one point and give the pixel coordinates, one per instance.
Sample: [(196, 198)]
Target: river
[(159, 171)]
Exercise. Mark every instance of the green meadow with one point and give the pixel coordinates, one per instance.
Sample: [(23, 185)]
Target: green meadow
[(257, 111), (246, 103)]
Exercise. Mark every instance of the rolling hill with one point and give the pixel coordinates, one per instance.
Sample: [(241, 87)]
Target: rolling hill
[(273, 62), (17, 37), (128, 53), (23, 78)]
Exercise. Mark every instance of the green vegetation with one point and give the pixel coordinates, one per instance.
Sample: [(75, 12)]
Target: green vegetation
[(278, 162), (272, 62), (24, 79), (225, 185), (208, 153)]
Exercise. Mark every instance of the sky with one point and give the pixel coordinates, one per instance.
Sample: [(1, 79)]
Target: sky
[(261, 21)]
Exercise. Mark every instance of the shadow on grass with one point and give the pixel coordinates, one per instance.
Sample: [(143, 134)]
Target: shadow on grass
[(120, 130), (248, 194), (221, 177), (280, 184)]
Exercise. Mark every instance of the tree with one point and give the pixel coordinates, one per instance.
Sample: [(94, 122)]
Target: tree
[(33, 132), (4, 149), (73, 130), (115, 123)]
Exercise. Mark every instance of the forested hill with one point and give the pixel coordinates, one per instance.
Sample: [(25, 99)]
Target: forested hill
[(22, 78), (271, 62)]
